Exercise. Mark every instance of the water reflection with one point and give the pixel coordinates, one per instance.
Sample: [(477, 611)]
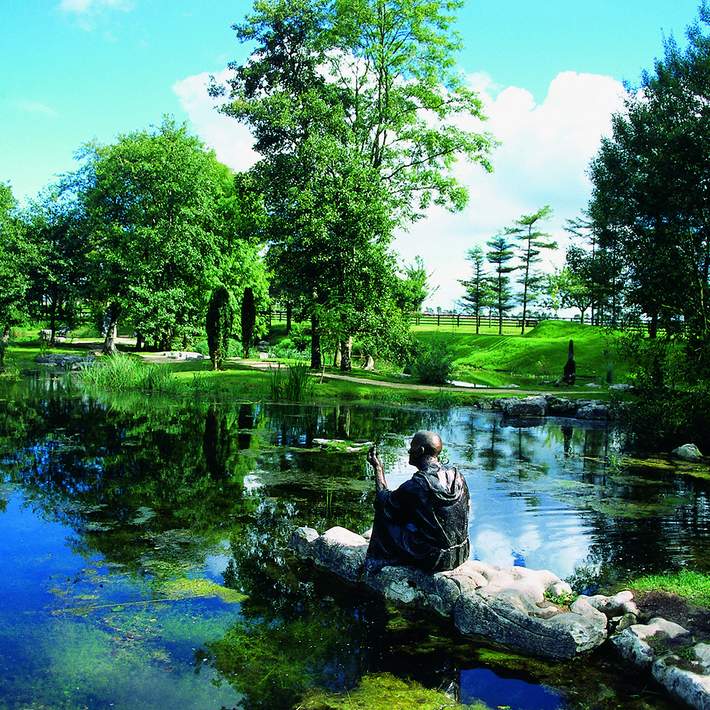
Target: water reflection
[(103, 502)]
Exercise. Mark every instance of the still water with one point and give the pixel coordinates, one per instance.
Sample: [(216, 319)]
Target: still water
[(143, 566)]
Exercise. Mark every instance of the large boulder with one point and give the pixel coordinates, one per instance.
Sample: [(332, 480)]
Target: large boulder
[(508, 606), (593, 410), (561, 406), (688, 452), (535, 406)]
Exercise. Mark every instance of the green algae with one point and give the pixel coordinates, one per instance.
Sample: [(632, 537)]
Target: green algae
[(383, 691), (189, 588)]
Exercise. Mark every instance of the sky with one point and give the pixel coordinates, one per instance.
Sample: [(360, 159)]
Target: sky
[(550, 74)]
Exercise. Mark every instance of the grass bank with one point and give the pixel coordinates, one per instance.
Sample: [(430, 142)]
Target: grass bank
[(692, 587), (539, 354)]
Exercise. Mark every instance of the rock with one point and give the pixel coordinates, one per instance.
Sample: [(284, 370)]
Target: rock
[(593, 386), (561, 407), (617, 605), (702, 653), (367, 534), (301, 541), (535, 406), (593, 410), (621, 387), (67, 362), (341, 551), (639, 644), (626, 621), (692, 688), (688, 452), (504, 605), (559, 588)]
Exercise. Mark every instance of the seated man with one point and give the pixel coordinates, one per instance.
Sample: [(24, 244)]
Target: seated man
[(424, 522)]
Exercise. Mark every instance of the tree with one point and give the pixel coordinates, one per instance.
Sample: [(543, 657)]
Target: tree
[(478, 288), (220, 317), (16, 257), (499, 254), (532, 242), (53, 226), (248, 320), (344, 88), (154, 213), (649, 188)]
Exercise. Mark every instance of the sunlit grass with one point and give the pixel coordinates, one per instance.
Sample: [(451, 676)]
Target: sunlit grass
[(694, 587)]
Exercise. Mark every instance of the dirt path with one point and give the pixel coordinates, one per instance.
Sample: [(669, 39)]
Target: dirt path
[(483, 389)]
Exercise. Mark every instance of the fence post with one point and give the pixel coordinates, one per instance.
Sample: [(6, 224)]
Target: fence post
[(438, 319)]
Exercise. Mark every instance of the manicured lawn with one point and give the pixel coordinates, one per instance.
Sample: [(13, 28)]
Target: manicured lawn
[(540, 353)]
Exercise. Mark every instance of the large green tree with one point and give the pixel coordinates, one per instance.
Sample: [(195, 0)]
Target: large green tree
[(54, 227), (650, 194), (16, 259), (348, 99), (161, 214)]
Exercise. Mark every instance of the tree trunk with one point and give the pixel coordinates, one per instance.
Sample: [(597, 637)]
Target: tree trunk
[(4, 340), (653, 326), (289, 316), (337, 355), (346, 352), (369, 362), (53, 322), (140, 342), (109, 347), (316, 362)]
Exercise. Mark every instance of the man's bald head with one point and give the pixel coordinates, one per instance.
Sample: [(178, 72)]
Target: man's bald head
[(424, 444)]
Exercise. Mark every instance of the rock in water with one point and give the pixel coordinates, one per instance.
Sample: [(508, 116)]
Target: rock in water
[(504, 606), (526, 407), (688, 452)]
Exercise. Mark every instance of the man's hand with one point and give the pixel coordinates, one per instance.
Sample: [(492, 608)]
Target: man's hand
[(373, 459)]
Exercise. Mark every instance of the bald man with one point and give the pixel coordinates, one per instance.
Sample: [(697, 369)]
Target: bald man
[(424, 522)]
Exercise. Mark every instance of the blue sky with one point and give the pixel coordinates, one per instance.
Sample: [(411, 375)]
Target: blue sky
[(77, 70)]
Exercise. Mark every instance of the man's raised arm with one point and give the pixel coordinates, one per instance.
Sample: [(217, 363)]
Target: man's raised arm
[(375, 462)]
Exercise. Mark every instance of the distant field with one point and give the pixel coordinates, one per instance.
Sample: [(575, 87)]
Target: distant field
[(541, 352)]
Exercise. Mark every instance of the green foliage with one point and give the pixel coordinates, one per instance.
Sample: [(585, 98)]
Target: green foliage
[(434, 363), (673, 404), (692, 586), (219, 326), (292, 383), (122, 372), (649, 204), (16, 258), (479, 293), (564, 599), (500, 253)]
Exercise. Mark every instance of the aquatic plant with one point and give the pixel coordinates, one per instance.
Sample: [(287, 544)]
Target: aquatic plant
[(292, 383), (383, 691), (122, 372)]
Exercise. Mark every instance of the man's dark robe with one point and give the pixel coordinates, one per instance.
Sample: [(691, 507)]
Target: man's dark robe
[(422, 523)]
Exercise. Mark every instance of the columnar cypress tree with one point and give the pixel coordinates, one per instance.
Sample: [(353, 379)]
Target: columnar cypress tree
[(248, 320), (219, 326)]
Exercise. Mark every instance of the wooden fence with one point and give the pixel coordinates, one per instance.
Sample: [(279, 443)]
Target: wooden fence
[(490, 322)]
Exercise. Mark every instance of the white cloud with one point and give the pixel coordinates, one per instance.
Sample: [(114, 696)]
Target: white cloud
[(80, 7), (544, 153), (88, 13), (36, 107), (230, 140)]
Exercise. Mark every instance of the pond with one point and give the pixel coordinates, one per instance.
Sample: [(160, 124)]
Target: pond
[(143, 563)]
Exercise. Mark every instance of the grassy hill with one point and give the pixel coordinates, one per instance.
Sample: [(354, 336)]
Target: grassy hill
[(540, 353)]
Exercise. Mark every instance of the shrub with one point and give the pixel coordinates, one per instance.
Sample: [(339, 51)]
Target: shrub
[(300, 336), (291, 384), (219, 326), (434, 363)]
